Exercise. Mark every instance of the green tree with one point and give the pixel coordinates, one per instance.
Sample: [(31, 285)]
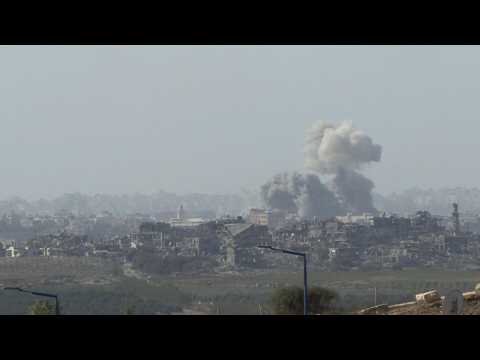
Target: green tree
[(289, 300), (42, 307), (129, 310), (117, 270)]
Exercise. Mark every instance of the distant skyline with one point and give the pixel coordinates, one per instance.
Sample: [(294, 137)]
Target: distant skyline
[(216, 119)]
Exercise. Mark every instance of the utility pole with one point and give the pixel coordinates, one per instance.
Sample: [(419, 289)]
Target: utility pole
[(304, 256), (305, 292)]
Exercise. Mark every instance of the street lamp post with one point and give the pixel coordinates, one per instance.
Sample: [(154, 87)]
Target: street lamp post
[(304, 256), (57, 305)]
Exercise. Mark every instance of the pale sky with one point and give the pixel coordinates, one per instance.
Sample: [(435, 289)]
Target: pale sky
[(214, 119)]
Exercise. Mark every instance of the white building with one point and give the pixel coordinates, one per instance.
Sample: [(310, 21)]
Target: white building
[(364, 219), (187, 222), (12, 252), (182, 221)]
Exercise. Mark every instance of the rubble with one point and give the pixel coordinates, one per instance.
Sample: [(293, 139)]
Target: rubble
[(402, 305), (382, 242), (471, 295), (365, 242), (428, 297), (428, 303), (374, 309)]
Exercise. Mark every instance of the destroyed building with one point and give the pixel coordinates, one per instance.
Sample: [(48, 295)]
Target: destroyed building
[(270, 218), (239, 244), (384, 242), (340, 242), (200, 240)]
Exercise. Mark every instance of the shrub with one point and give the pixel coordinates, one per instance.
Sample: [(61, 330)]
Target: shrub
[(289, 300), (42, 307)]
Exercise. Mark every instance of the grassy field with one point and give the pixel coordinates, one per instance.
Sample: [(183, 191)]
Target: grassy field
[(95, 286), (246, 282), (356, 288), (111, 299), (85, 285), (54, 270)]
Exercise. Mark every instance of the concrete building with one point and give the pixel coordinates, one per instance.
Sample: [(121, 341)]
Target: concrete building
[(182, 221), (270, 218), (187, 222), (12, 252), (240, 241), (258, 217), (364, 219)]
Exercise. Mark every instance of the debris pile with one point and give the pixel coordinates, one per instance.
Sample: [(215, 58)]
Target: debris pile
[(427, 303), (428, 297)]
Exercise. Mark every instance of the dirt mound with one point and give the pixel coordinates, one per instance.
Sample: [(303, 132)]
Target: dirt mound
[(425, 306)]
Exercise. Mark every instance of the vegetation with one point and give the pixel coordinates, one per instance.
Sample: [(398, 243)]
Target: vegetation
[(151, 263), (97, 286), (129, 310), (42, 307), (125, 296), (41, 268), (289, 300)]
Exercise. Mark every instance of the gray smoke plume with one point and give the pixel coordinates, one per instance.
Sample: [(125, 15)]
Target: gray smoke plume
[(342, 150), (354, 191), (302, 194), (329, 148)]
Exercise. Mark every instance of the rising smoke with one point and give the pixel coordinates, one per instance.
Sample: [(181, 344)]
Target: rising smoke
[(340, 151), (303, 194), (343, 150), (354, 191), (329, 148)]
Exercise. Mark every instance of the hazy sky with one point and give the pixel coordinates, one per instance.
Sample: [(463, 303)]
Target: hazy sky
[(214, 119)]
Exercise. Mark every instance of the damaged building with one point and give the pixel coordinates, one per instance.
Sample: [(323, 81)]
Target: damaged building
[(382, 241), (239, 244), (339, 242)]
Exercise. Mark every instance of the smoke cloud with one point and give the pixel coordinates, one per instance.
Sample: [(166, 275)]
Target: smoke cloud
[(354, 191), (303, 194), (343, 150), (329, 148), (339, 150)]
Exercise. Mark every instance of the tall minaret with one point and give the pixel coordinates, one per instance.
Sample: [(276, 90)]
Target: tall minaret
[(456, 219), (181, 213)]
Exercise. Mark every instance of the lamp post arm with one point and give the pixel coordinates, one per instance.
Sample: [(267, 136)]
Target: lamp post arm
[(57, 305), (42, 294), (293, 252), (14, 288)]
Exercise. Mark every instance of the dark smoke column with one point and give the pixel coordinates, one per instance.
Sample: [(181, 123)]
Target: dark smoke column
[(354, 191), (301, 194)]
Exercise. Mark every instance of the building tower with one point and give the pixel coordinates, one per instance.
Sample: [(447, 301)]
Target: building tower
[(456, 219), (181, 213)]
